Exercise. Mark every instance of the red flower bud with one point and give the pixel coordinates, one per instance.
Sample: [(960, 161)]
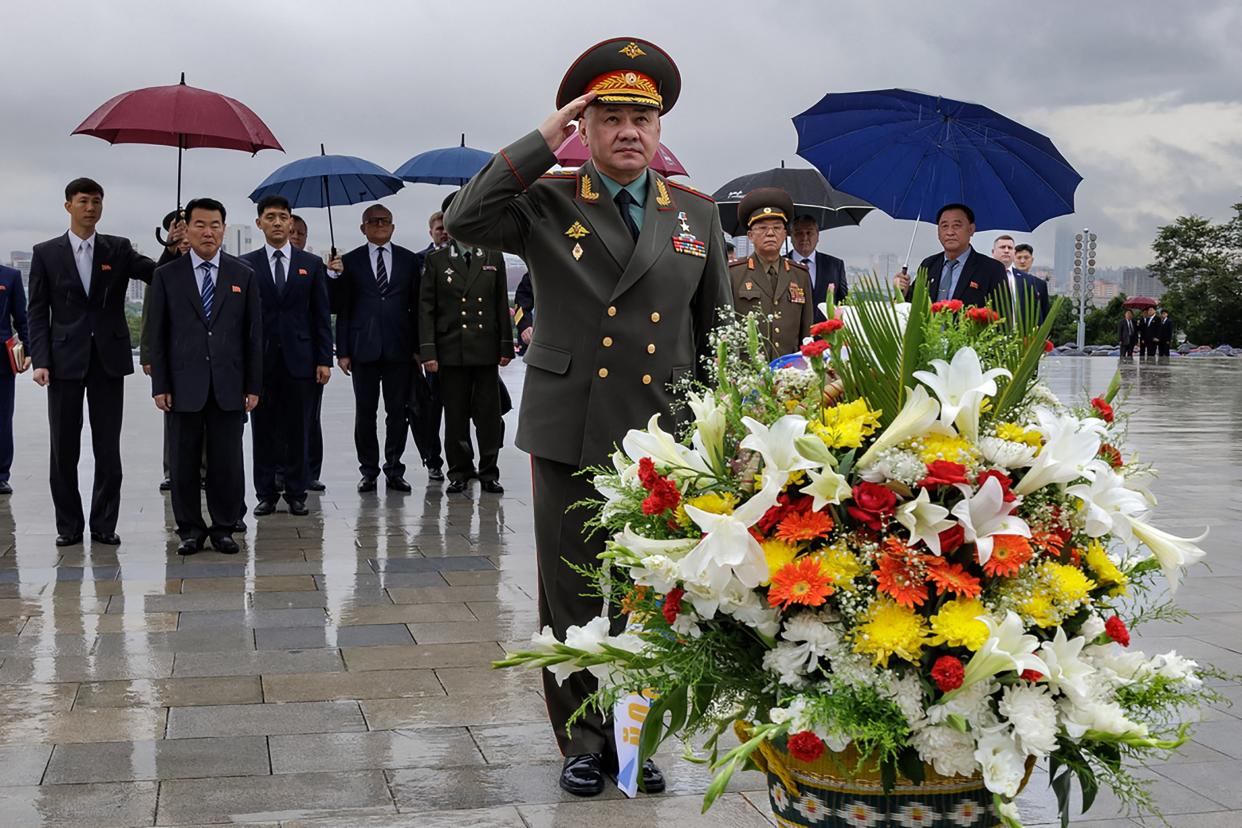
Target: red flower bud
[(672, 604), (815, 349), (948, 673), (826, 327), (1103, 409), (1116, 629)]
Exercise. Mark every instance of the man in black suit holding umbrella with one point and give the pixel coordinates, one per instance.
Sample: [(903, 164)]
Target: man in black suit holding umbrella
[(958, 271)]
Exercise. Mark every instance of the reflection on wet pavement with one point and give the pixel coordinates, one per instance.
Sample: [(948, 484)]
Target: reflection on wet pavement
[(336, 672)]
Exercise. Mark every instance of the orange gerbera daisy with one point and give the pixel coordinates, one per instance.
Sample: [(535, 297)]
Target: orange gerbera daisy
[(804, 526), (902, 574), (952, 577), (1009, 554), (1050, 543), (799, 582)]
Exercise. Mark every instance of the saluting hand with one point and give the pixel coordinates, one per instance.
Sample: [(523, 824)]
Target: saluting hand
[(560, 124)]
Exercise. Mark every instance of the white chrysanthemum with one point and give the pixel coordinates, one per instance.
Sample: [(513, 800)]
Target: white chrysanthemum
[(811, 628), (973, 703), (1006, 453), (1172, 666), (907, 693), (1003, 764), (900, 465), (1117, 666), (853, 669), (789, 662), (1092, 628), (745, 605), (1033, 714), (659, 572), (949, 751)]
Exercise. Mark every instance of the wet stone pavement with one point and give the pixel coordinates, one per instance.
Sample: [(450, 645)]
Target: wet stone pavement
[(336, 671)]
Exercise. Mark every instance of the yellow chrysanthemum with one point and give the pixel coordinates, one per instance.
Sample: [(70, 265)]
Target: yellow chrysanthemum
[(891, 630), (1039, 609), (778, 553), (955, 449), (958, 625), (1106, 572), (846, 425), (1015, 433), (1068, 585), (840, 565), (716, 503)]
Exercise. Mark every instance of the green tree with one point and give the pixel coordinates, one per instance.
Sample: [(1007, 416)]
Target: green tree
[(1102, 322), (1200, 264)]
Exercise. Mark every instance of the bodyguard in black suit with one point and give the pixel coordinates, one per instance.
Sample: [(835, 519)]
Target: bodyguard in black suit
[(297, 356), (1025, 296), (79, 345), (958, 271), (207, 370), (376, 341), (12, 320), (827, 272)]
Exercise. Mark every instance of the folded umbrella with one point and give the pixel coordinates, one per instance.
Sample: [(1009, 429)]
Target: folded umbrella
[(811, 194), (447, 165)]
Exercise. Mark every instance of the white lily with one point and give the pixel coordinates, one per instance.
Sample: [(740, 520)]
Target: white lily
[(925, 520), (916, 415), (682, 463), (777, 445), (1069, 447), (1067, 671), (826, 487), (1108, 505), (709, 429), (1008, 648), (728, 550), (1173, 552), (961, 386), (984, 514), (642, 547)]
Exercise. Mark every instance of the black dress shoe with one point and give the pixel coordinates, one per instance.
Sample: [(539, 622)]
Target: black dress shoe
[(5, 488), (189, 546), (492, 487), (69, 540), (397, 484), (366, 484), (298, 507), (456, 487), (316, 486), (435, 473), (583, 775), (106, 538), (240, 526), (264, 507), (166, 485), (652, 781), (225, 545)]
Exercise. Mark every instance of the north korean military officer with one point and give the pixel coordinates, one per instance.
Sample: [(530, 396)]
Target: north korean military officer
[(768, 284), (628, 271), (466, 333)]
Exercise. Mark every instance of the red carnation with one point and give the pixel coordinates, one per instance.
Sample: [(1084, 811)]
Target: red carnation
[(951, 539), (785, 503), (948, 673), (984, 316), (806, 746), (1116, 629), (943, 473), (664, 495), (647, 474), (1048, 346), (1031, 675), (827, 327), (815, 349), (1113, 455), (672, 604), (872, 504), (949, 305), (1002, 479), (1103, 409)]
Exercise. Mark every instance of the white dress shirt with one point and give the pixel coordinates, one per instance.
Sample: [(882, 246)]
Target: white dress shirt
[(286, 251), (371, 251), (197, 260), (809, 261), (83, 254)]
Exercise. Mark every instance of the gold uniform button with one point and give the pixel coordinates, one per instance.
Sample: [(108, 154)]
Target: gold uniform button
[(480, 327), (463, 300), (655, 317), (608, 342), (463, 313), (480, 313), (603, 372), (646, 379), (612, 310), (480, 299), (463, 327), (651, 348)]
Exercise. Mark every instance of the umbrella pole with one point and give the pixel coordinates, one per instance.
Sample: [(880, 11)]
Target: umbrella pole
[(331, 233), (905, 268)]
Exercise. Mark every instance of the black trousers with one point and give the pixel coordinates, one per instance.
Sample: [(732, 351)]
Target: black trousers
[(105, 400), (280, 433), (560, 541), (1162, 349), (1147, 347), (370, 379), (1127, 349), (425, 412), (7, 388), (219, 433), (314, 451), (471, 392)]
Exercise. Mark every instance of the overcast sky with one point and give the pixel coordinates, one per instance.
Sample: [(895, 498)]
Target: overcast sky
[(1144, 98)]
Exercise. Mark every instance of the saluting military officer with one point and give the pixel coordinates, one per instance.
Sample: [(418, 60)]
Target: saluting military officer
[(768, 283), (628, 271), (466, 333)]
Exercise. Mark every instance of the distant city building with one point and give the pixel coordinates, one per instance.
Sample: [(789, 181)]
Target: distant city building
[(1138, 281), (1102, 292), (1063, 258), (20, 259), (1046, 274), (136, 292)]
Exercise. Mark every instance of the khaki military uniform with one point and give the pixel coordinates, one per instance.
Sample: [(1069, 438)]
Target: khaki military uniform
[(784, 296)]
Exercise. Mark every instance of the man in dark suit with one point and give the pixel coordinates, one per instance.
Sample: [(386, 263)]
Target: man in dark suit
[(1149, 333), (629, 271), (1127, 334), (297, 238), (827, 272), (376, 340), (435, 229), (206, 333), (1165, 342), (1026, 297), (79, 345), (958, 271), (297, 356), (12, 321)]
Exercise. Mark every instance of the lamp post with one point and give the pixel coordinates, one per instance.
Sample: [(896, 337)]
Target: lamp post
[(1084, 278)]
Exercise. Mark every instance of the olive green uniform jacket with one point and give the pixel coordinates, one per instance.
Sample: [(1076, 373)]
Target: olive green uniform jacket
[(463, 309), (789, 304)]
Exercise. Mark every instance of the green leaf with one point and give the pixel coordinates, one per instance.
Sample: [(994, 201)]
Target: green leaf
[(1090, 786), (1061, 787), (716, 788), (678, 707), (653, 730), (888, 774)]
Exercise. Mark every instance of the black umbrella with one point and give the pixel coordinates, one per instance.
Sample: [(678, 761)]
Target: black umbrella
[(811, 194)]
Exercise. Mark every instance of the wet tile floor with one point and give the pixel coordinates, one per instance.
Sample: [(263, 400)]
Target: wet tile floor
[(336, 672)]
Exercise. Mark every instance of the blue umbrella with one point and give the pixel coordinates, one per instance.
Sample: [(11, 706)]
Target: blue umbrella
[(449, 165), (328, 180), (909, 154)]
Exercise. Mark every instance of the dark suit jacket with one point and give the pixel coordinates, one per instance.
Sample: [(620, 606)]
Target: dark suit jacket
[(297, 328), (1032, 294), (982, 278), (524, 304), (617, 321), (1166, 330), (1127, 334), (192, 355), (829, 270), (1149, 329), (64, 320), (374, 328), (12, 309), (464, 310)]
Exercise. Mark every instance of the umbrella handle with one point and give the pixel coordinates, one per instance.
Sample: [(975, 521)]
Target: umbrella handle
[(160, 238)]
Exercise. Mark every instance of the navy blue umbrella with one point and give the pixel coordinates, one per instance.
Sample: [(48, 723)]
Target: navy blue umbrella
[(327, 181), (449, 165), (909, 154)]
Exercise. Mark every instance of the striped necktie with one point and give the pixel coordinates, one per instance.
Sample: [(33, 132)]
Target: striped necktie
[(381, 272), (208, 289), (946, 280)]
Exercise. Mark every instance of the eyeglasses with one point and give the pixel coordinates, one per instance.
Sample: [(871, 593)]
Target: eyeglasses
[(379, 222), (772, 230)]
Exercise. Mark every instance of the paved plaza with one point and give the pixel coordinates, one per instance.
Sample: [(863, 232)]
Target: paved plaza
[(336, 672)]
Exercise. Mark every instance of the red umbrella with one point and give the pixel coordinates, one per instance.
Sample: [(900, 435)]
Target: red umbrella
[(1140, 303), (180, 116), (573, 153)]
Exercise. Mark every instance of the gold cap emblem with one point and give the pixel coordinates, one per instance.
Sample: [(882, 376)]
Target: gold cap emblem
[(631, 51)]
